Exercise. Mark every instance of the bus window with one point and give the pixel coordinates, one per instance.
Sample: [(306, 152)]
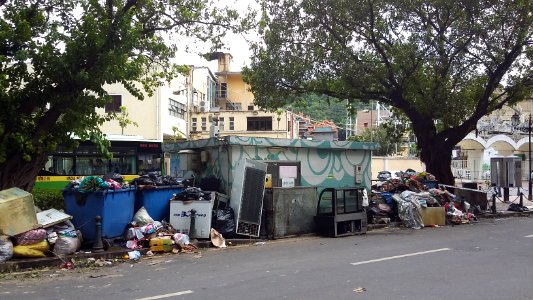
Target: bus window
[(63, 165)]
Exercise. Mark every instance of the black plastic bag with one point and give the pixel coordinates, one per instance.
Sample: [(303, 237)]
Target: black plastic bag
[(225, 222), (114, 176), (142, 180)]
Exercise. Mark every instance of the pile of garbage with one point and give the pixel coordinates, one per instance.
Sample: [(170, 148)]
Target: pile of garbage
[(59, 239), (404, 200), (115, 181), (156, 179), (111, 181), (192, 193), (159, 236)]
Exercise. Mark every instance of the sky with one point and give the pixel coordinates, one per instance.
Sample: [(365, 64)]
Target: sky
[(236, 44)]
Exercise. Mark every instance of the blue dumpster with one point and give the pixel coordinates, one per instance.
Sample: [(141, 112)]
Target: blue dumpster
[(156, 200), (114, 206)]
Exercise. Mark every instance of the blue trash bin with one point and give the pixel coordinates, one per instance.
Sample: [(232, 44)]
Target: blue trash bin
[(114, 206), (156, 200)]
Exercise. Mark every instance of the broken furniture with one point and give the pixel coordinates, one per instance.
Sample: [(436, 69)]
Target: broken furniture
[(340, 212)]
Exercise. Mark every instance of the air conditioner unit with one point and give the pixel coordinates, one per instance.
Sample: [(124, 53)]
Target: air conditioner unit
[(202, 103), (202, 109), (247, 193)]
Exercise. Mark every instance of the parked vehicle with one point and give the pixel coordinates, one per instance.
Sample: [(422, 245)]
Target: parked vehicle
[(396, 174), (408, 173), (384, 175)]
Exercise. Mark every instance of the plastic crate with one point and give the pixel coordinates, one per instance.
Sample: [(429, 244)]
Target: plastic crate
[(114, 206), (156, 200)]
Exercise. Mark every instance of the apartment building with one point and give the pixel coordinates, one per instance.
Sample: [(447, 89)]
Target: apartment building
[(233, 111)]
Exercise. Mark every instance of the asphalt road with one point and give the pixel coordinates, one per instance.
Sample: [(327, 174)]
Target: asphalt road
[(492, 259)]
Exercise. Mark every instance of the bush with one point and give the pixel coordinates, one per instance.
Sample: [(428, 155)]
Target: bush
[(46, 199)]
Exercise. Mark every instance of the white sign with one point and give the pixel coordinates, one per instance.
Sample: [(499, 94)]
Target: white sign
[(287, 182)]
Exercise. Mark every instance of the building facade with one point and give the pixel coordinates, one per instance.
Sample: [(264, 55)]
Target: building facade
[(233, 111)]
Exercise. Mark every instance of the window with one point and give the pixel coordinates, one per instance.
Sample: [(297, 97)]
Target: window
[(233, 106), (259, 123), (114, 105), (223, 90), (193, 124), (204, 124), (220, 124), (231, 123), (176, 109), (250, 107), (365, 125), (326, 203)]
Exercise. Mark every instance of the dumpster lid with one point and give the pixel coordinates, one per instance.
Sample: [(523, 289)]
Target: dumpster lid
[(51, 217)]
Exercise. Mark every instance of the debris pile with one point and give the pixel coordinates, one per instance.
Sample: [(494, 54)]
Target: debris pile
[(416, 201)]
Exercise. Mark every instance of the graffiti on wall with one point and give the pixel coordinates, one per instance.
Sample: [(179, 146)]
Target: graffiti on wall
[(323, 164)]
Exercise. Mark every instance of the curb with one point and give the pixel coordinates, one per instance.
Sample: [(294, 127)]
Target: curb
[(505, 214), (56, 261)]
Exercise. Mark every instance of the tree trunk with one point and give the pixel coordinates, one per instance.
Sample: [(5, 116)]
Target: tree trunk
[(438, 159), (17, 172)]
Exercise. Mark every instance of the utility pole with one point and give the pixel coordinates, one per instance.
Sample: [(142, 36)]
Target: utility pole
[(529, 196)]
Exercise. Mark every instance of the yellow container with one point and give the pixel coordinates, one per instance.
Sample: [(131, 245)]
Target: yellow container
[(161, 245)]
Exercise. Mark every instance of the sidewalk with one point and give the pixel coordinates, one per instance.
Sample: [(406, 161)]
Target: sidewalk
[(17, 264)]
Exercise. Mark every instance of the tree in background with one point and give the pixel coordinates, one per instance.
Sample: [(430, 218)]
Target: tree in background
[(322, 107), (55, 57), (387, 136), (443, 63), (124, 119)]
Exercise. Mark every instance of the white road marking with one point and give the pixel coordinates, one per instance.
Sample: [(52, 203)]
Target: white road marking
[(398, 256), (531, 235), (167, 295)]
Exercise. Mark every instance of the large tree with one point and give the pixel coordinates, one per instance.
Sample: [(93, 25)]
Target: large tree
[(56, 55), (442, 63)]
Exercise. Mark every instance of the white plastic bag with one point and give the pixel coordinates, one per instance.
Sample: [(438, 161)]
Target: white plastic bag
[(181, 239), (6, 249), (365, 198), (142, 217), (66, 245)]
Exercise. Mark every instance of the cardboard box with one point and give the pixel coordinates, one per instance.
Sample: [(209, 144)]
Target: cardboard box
[(17, 212), (434, 216)]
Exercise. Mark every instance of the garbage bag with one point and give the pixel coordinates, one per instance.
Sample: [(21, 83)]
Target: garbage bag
[(92, 183), (181, 239), (31, 237), (114, 176), (409, 209), (66, 245), (142, 217), (142, 180), (34, 250), (6, 249), (225, 221)]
